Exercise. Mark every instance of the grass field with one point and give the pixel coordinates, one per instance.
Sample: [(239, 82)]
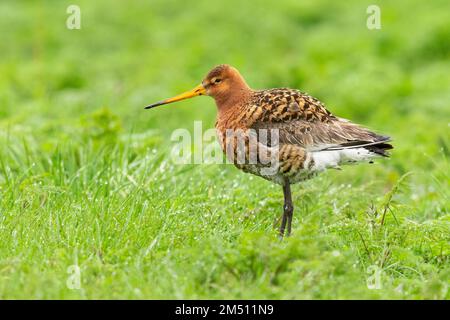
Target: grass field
[(86, 178)]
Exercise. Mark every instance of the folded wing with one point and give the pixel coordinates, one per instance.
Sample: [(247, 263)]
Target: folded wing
[(304, 121)]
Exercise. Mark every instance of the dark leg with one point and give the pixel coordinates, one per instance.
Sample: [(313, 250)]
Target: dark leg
[(288, 210)]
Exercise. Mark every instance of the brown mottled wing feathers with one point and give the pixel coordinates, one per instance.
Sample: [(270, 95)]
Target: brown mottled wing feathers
[(304, 121), (281, 105)]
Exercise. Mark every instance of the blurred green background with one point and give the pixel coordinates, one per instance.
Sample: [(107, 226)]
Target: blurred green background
[(86, 177)]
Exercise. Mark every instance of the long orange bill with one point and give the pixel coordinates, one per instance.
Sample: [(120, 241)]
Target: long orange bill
[(197, 91)]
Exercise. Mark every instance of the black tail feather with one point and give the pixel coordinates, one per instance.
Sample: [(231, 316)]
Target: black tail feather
[(380, 146)]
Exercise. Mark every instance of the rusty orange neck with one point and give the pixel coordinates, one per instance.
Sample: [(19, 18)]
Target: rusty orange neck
[(232, 99)]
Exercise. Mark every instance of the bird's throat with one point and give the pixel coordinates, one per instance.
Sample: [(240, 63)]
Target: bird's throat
[(232, 100)]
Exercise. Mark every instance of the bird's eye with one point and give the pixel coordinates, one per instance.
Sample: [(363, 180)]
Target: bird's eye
[(217, 80)]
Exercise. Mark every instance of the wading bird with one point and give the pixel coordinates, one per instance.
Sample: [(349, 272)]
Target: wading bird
[(309, 138)]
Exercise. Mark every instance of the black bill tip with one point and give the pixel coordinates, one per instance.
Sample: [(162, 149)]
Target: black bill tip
[(155, 105)]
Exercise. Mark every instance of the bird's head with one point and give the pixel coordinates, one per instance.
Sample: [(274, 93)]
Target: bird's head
[(221, 83)]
